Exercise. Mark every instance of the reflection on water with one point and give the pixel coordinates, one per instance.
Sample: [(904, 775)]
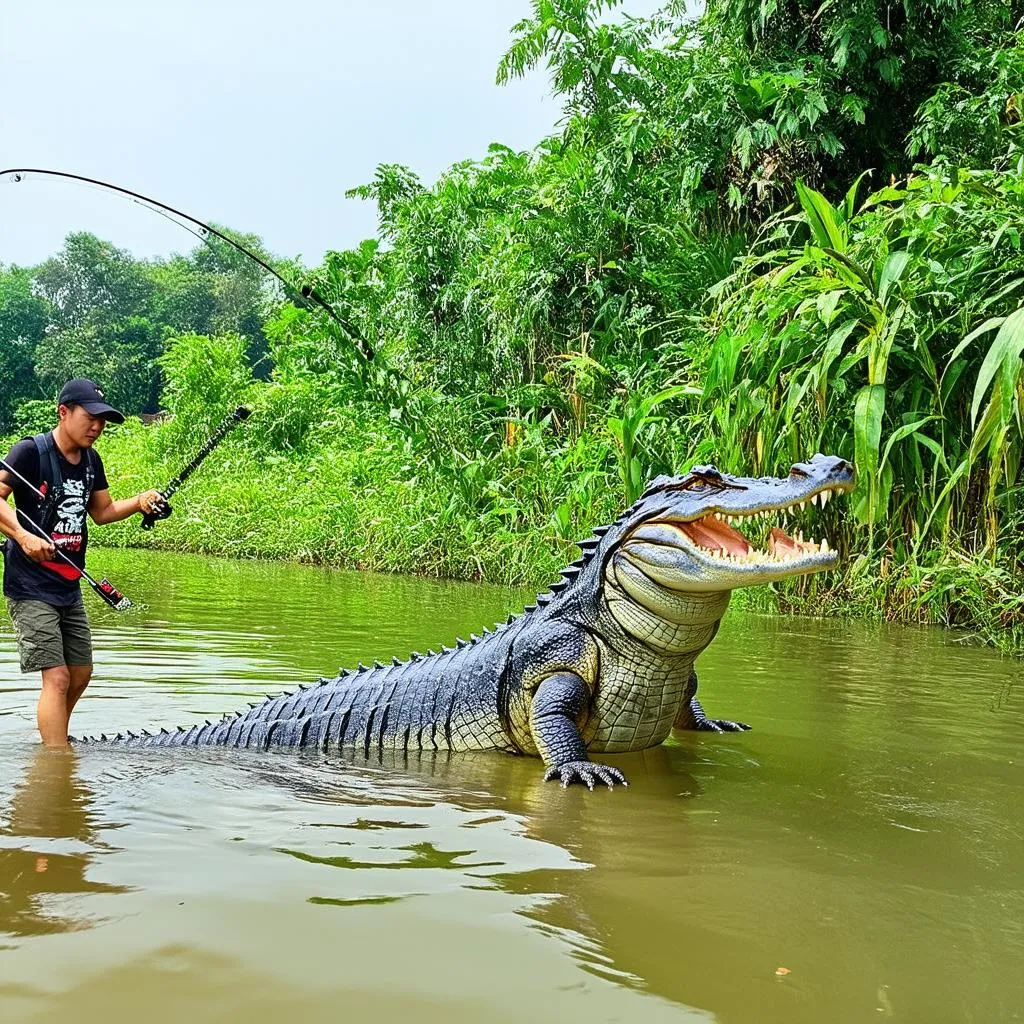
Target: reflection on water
[(864, 841), (48, 837)]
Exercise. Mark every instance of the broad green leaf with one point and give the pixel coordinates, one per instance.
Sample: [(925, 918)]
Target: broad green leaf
[(924, 356), (850, 201), (892, 271), (1002, 292), (869, 409), (821, 217), (901, 432), (827, 303), (833, 348), (988, 325), (1007, 348), (859, 275), (888, 194), (880, 349), (932, 445), (990, 427)]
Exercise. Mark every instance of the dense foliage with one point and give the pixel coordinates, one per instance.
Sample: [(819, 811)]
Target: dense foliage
[(772, 229)]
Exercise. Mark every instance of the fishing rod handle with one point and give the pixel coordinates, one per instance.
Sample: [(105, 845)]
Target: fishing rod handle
[(240, 414), (163, 511), (49, 540)]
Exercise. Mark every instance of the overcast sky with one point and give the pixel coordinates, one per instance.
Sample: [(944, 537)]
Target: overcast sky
[(255, 114)]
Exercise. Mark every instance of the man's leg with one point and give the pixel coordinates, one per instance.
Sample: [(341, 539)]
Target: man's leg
[(80, 676), (74, 624), (41, 646), (52, 710)]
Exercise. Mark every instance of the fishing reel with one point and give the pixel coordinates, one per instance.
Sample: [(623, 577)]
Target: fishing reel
[(161, 510)]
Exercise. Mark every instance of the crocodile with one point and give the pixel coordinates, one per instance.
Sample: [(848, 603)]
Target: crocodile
[(602, 663)]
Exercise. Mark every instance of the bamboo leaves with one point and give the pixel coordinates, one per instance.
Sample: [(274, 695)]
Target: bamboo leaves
[(888, 293), (869, 408), (826, 227), (1003, 358), (629, 430)]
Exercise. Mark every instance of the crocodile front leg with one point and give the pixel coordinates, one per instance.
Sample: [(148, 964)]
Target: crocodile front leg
[(558, 705), (691, 715)]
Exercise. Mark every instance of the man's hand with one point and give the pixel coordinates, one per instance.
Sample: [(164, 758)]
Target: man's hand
[(150, 500), (104, 509), (36, 548)]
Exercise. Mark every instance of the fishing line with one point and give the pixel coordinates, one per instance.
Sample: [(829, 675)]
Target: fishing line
[(303, 295)]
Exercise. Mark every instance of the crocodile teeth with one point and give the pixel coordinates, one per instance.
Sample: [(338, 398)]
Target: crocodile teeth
[(803, 505), (824, 546), (825, 495)]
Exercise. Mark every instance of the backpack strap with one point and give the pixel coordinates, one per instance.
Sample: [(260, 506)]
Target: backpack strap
[(90, 472), (49, 471)]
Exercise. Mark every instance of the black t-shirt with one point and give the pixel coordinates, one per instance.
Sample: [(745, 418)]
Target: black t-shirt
[(51, 582)]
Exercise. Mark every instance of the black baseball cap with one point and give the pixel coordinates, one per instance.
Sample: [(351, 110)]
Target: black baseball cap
[(82, 391)]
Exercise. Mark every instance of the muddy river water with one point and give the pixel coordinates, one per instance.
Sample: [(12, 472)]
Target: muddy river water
[(858, 856)]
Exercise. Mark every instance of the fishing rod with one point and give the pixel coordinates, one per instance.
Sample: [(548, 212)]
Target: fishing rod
[(305, 292), (301, 295), (104, 588), (163, 509)]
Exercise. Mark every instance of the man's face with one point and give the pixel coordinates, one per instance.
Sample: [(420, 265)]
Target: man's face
[(80, 426)]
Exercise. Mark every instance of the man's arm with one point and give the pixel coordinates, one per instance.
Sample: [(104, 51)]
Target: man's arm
[(103, 509), (32, 544)]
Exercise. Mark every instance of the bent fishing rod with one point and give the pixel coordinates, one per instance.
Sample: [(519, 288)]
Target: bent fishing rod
[(163, 510), (305, 292), (104, 588)]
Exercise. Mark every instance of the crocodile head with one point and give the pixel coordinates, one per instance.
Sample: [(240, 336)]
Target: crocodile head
[(709, 531)]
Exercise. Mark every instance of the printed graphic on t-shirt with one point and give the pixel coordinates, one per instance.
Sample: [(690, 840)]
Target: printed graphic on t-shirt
[(67, 531)]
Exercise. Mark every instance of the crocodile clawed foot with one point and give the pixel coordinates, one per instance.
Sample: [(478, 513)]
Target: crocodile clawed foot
[(586, 772), (721, 725)]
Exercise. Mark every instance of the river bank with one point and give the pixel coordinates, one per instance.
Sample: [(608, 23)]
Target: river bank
[(349, 498)]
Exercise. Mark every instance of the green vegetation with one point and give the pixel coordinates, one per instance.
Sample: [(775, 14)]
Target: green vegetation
[(767, 231)]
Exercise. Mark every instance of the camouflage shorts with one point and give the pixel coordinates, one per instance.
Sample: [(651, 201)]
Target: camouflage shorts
[(51, 635)]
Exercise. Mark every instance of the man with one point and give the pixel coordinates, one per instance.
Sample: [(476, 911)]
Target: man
[(43, 592)]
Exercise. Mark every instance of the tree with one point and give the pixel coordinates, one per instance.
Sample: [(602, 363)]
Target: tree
[(235, 293), (23, 320), (90, 282), (592, 64), (755, 96)]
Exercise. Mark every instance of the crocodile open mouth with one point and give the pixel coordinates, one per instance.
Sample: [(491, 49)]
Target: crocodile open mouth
[(715, 536)]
